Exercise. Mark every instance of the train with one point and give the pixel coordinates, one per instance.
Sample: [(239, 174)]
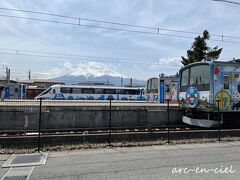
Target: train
[(76, 92), (209, 93), (12, 90), (160, 88)]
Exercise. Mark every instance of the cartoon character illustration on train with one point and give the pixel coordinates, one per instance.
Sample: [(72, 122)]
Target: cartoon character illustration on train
[(209, 87)]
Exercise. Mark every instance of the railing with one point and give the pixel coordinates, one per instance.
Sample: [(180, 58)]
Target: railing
[(106, 120)]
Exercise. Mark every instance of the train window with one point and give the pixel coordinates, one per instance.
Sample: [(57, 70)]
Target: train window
[(200, 77), (136, 92), (235, 76), (15, 90), (76, 90), (88, 91), (184, 79), (54, 91), (66, 90), (126, 91), (226, 80), (167, 88), (99, 91), (119, 91), (131, 91), (110, 91)]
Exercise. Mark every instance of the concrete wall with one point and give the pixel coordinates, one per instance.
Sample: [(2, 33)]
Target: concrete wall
[(70, 117)]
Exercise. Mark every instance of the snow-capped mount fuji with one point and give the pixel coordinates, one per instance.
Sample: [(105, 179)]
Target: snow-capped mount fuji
[(94, 69), (94, 72)]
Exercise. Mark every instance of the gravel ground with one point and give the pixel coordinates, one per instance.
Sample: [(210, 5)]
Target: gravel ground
[(69, 147)]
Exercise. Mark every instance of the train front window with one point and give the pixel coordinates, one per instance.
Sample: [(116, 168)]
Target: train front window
[(184, 79), (154, 87), (149, 85), (200, 77)]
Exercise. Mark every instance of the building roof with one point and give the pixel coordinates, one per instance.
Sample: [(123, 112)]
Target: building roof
[(32, 81)]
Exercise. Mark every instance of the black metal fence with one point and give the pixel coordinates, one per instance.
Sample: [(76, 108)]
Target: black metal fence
[(43, 122)]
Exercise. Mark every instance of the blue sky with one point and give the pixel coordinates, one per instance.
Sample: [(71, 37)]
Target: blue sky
[(146, 50)]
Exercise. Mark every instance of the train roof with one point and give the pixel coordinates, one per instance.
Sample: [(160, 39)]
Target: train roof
[(232, 62), (97, 87)]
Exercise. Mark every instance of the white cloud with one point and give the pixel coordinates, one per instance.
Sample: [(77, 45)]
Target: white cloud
[(167, 62), (135, 66)]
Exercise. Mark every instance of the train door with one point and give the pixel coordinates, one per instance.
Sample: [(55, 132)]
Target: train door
[(161, 92), (174, 91), (12, 92), (2, 92), (22, 91), (15, 92), (7, 92), (235, 90), (224, 95)]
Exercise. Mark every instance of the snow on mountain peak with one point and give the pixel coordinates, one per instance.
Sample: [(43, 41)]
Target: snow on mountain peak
[(91, 69)]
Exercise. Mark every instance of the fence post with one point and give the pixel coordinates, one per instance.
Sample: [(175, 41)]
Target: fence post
[(168, 122), (219, 132), (110, 124), (39, 126)]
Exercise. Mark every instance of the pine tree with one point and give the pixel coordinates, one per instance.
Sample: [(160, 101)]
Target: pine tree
[(200, 51)]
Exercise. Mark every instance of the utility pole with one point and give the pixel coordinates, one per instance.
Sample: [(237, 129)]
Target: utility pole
[(7, 75), (121, 81), (29, 74), (131, 82)]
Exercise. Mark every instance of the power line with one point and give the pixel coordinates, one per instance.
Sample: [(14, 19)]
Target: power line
[(62, 56), (225, 1), (95, 26), (70, 57), (53, 53), (79, 19), (119, 29), (110, 22)]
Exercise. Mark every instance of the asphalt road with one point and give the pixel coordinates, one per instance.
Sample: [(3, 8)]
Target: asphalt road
[(153, 162)]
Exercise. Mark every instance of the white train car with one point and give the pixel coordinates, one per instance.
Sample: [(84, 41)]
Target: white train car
[(74, 92)]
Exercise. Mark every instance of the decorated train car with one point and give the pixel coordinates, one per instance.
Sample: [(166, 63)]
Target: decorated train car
[(74, 92), (12, 90), (209, 93), (162, 88)]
